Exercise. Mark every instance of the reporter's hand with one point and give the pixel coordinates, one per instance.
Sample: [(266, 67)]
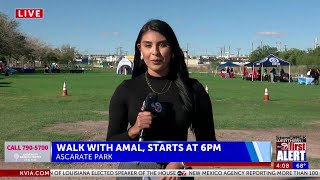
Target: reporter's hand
[(173, 165), (143, 121)]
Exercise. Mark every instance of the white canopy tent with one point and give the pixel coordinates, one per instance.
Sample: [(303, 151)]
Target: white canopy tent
[(125, 66)]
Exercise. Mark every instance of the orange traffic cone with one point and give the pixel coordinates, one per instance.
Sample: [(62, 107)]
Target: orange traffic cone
[(266, 95), (64, 89), (207, 89)]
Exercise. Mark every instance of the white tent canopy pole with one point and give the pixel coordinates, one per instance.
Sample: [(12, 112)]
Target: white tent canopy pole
[(216, 71), (261, 73), (289, 74), (252, 72)]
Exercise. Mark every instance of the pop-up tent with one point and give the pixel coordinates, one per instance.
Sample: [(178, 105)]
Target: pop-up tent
[(270, 61), (227, 64), (125, 66)]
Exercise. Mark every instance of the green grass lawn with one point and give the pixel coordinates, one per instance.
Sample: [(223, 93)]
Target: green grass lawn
[(31, 102), (238, 104)]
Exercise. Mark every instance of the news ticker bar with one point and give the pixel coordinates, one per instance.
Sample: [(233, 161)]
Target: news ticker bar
[(158, 173)]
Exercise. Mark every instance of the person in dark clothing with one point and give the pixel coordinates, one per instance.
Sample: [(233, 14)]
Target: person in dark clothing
[(259, 73), (231, 73), (227, 75), (159, 67), (282, 72), (282, 75), (228, 70), (316, 77), (272, 75), (313, 75)]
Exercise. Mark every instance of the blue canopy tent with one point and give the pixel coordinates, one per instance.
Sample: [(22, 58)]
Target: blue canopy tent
[(249, 64), (270, 61), (228, 63)]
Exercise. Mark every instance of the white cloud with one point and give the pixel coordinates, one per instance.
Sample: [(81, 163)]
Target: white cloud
[(115, 33), (271, 34), (108, 34)]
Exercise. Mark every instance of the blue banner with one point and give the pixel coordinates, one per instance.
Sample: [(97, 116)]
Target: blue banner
[(300, 165), (161, 151)]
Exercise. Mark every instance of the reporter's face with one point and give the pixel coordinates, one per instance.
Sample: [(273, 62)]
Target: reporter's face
[(156, 53)]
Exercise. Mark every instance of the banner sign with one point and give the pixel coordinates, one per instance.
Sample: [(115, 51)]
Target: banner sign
[(27, 151), (161, 151)]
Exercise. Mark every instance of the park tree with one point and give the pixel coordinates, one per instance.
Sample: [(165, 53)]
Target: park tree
[(307, 59), (13, 42), (51, 56), (292, 55), (67, 54), (311, 51), (314, 52), (311, 58), (15, 46), (263, 52), (37, 50), (10, 37)]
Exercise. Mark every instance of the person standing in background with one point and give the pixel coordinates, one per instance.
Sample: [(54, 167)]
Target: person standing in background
[(272, 75)]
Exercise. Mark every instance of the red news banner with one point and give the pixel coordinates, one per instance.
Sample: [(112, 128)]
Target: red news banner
[(29, 13), (25, 173)]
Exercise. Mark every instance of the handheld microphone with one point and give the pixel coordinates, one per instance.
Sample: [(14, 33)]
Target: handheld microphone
[(149, 105)]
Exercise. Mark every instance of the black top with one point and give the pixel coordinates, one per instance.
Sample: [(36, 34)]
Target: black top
[(172, 123)]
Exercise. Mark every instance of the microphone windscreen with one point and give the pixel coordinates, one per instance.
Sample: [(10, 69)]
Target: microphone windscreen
[(151, 99)]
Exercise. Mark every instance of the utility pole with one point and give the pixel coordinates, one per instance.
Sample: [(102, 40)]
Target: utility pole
[(238, 53), (280, 46), (251, 47), (220, 51), (119, 51), (115, 58)]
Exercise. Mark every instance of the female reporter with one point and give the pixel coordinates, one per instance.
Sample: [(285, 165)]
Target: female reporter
[(160, 68)]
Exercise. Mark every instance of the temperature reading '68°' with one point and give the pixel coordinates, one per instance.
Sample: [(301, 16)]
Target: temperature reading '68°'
[(300, 165)]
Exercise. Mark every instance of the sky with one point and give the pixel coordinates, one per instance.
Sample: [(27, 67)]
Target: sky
[(202, 26)]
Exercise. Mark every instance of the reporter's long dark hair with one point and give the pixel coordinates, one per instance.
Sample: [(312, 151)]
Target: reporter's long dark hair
[(178, 67)]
